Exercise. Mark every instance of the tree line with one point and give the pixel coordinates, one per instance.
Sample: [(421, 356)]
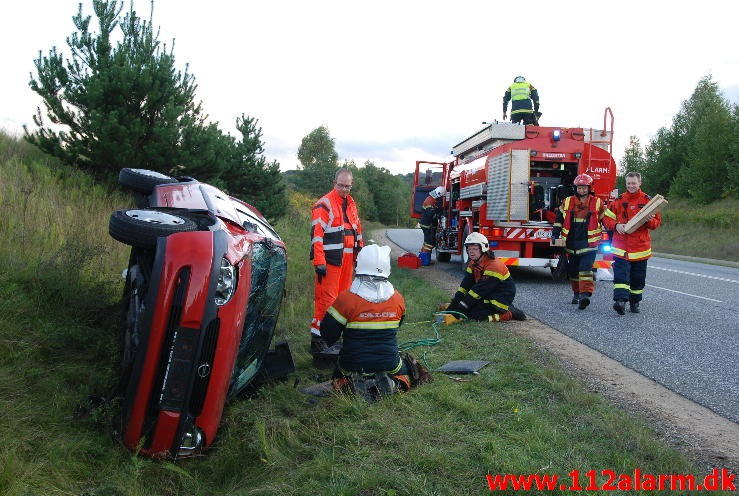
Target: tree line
[(697, 157), (115, 104), (380, 195)]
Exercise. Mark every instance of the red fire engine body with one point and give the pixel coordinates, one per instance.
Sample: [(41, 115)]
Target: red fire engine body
[(506, 181)]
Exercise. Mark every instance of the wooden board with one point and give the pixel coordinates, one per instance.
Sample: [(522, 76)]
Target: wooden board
[(656, 204), (557, 242)]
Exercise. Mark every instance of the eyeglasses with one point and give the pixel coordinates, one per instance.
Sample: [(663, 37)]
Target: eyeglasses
[(343, 186)]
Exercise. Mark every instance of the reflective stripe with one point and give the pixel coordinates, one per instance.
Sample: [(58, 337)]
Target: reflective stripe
[(474, 295), (640, 254), (333, 229), (497, 304), (348, 250), (565, 231), (636, 291), (390, 324), (595, 231), (427, 227), (469, 270), (618, 251), (335, 314), (319, 221), (579, 220), (494, 318), (557, 224), (609, 214), (396, 369), (621, 286), (337, 246), (317, 239), (462, 290), (583, 250), (500, 276)]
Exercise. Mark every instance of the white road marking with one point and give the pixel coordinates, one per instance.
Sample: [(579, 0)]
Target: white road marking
[(694, 274), (686, 294)]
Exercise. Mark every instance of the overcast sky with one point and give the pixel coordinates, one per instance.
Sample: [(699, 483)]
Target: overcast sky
[(402, 81)]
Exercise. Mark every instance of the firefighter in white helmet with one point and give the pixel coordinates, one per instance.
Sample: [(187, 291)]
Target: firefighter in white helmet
[(430, 218), (368, 316), (486, 293)]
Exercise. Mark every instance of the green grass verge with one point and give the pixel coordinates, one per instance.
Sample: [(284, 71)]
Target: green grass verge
[(58, 322)]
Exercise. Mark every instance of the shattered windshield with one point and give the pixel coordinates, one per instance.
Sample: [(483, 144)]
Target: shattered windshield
[(269, 270)]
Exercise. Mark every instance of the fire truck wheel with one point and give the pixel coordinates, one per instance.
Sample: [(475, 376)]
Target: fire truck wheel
[(443, 256)]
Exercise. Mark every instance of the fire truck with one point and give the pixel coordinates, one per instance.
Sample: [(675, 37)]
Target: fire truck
[(507, 180)]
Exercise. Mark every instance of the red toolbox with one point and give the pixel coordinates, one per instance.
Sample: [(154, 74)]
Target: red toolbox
[(409, 261)]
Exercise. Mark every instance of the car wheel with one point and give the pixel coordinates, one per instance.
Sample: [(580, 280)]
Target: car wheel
[(143, 180), (142, 227), (443, 257)]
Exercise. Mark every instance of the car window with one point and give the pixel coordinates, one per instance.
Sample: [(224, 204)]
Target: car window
[(261, 226), (268, 273)]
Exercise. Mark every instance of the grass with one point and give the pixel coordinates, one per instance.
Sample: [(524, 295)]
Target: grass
[(59, 289)]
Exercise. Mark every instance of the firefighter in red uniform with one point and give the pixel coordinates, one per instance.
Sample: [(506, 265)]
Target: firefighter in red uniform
[(486, 293), (631, 251), (429, 218), (368, 316), (579, 222), (336, 238)]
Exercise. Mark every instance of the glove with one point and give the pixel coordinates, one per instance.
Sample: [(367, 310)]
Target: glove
[(505, 116), (320, 272), (450, 319)]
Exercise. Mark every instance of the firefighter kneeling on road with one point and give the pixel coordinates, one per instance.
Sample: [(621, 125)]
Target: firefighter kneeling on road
[(368, 316), (579, 222), (486, 293)]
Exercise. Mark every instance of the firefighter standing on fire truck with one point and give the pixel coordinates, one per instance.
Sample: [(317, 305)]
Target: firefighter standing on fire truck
[(430, 218), (336, 238), (631, 251), (524, 100), (579, 222), (486, 293)]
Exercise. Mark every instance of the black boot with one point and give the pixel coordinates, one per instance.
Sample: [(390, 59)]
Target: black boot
[(516, 313), (575, 298), (620, 307), (634, 306), (324, 356), (584, 301)]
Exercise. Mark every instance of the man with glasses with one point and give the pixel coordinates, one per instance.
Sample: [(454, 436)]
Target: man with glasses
[(336, 238)]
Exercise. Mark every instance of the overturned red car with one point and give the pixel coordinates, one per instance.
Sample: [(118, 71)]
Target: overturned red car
[(203, 291)]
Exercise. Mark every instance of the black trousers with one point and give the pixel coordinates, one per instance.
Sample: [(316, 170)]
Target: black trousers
[(629, 279), (429, 237), (526, 117)]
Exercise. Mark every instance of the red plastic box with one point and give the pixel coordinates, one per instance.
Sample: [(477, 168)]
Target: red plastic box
[(409, 261)]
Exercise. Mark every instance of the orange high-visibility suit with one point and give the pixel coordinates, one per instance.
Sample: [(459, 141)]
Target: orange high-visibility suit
[(336, 238)]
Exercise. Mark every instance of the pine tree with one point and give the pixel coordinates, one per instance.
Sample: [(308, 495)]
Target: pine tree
[(632, 161), (124, 104), (319, 162)]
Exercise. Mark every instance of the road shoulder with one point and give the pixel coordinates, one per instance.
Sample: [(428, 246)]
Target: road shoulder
[(710, 439)]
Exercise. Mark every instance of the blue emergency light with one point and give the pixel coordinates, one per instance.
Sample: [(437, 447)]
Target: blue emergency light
[(555, 135), (605, 247)]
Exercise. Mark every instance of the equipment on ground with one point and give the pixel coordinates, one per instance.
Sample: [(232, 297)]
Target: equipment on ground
[(409, 261), (505, 183)]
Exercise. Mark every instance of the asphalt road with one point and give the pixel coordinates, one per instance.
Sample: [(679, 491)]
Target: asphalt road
[(686, 337)]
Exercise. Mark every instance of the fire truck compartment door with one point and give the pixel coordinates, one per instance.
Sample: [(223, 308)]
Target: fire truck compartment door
[(508, 186)]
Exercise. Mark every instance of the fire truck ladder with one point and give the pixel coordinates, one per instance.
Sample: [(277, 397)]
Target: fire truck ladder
[(605, 137)]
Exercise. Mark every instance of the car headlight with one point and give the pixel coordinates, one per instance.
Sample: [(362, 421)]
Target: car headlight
[(226, 283), (191, 442)]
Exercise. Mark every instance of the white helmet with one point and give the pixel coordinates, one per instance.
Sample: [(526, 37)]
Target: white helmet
[(519, 79), (437, 192), (476, 238), (374, 260)]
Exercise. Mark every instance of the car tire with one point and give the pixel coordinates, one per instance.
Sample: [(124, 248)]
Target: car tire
[(143, 180), (142, 227), (443, 257)]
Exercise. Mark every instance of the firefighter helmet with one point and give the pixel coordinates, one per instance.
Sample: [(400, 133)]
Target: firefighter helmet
[(437, 192), (374, 260), (476, 238), (583, 180), (519, 79)]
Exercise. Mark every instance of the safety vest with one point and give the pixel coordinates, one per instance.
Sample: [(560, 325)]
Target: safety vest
[(520, 91), (594, 230), (328, 229)]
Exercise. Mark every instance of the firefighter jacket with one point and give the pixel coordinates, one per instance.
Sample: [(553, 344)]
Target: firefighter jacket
[(487, 282), (579, 223), (334, 219), (369, 330), (521, 96), (429, 217), (637, 245)]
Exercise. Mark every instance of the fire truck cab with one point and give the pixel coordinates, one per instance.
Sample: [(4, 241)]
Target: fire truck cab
[(507, 180)]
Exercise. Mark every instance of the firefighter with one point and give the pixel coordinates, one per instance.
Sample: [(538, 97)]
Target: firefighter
[(631, 251), (579, 221), (368, 316), (430, 218), (336, 238), (524, 101), (486, 293)]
